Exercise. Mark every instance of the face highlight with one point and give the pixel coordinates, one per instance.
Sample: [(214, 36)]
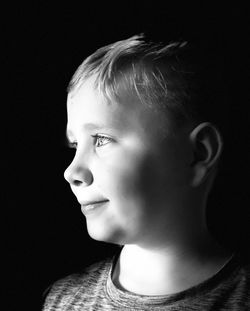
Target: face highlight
[(122, 157)]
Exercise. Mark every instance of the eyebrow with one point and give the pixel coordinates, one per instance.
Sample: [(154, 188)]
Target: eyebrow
[(87, 127)]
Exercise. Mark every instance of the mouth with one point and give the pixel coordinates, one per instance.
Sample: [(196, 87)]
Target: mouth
[(92, 207)]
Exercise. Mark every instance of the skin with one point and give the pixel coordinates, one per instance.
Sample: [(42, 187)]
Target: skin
[(156, 186)]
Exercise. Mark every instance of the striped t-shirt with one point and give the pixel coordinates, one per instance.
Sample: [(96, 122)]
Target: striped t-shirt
[(94, 290)]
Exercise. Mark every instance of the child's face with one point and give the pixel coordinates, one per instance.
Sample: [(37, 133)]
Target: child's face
[(144, 178)]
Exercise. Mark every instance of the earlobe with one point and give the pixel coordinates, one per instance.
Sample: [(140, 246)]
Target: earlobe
[(207, 146)]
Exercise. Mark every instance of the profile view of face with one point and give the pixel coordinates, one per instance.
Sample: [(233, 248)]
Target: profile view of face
[(123, 162)]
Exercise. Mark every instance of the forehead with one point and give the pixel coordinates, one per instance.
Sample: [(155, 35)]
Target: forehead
[(88, 106), (89, 97)]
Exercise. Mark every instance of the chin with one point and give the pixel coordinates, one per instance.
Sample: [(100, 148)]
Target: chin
[(106, 235)]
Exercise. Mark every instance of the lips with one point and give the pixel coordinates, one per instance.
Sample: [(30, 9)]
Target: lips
[(86, 203), (92, 206)]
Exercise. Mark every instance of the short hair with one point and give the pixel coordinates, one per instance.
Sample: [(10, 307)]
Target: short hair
[(180, 78)]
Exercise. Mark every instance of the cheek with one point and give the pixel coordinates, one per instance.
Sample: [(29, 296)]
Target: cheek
[(129, 178), (144, 178)]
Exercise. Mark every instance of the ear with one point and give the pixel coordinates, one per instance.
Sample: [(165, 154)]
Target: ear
[(207, 146)]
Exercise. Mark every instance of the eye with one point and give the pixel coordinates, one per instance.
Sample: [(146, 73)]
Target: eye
[(101, 140)]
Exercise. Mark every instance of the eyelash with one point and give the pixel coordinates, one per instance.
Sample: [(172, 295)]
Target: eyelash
[(96, 137)]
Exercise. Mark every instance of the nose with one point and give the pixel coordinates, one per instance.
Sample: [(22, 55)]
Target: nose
[(78, 174)]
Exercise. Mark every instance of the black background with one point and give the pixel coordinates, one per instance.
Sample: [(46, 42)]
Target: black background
[(44, 229)]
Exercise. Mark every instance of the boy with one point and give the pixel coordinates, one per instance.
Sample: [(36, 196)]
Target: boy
[(146, 157)]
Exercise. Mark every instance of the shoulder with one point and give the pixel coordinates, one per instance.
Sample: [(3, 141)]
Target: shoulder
[(244, 272), (237, 271), (243, 262), (89, 275), (85, 281), (235, 289)]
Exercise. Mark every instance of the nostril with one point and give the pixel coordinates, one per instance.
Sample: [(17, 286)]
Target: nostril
[(76, 182)]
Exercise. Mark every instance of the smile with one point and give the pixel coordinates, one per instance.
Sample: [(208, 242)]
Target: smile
[(92, 207)]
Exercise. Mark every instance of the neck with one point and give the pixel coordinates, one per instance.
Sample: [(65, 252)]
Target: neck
[(168, 269)]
